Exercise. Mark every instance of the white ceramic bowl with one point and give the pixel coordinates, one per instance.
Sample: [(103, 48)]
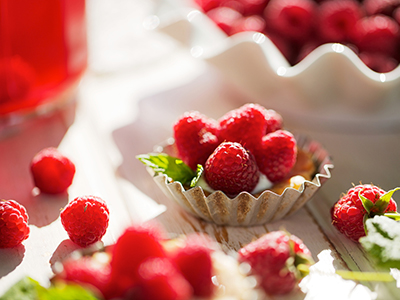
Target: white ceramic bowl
[(330, 87), (246, 209)]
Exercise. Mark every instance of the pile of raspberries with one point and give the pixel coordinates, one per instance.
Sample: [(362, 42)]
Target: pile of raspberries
[(369, 27)]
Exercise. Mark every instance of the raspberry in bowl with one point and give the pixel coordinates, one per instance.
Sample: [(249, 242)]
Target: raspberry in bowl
[(241, 170)]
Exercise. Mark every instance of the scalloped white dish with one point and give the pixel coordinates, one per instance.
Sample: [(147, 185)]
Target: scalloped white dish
[(330, 85), (246, 209)]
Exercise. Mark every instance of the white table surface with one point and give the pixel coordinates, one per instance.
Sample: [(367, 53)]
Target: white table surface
[(137, 84)]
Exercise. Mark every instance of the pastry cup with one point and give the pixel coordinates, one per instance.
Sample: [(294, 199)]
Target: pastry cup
[(246, 209)]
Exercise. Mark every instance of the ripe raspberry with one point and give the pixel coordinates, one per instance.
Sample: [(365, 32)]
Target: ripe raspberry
[(231, 169), (159, 279), (277, 155), (376, 7), (378, 62), (52, 172), (193, 259), (249, 23), (377, 34), (85, 219), (253, 7), (246, 125), (337, 20), (13, 224), (274, 121), (85, 271), (274, 258), (349, 212), (207, 5), (195, 138), (291, 18), (138, 243), (224, 17)]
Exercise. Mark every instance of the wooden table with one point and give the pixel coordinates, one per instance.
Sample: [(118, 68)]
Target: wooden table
[(137, 84)]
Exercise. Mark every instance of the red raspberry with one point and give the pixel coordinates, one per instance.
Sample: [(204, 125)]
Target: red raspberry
[(378, 62), (274, 121), (246, 125), (207, 5), (337, 20), (85, 271), (85, 219), (159, 279), (138, 243), (349, 212), (249, 23), (277, 155), (52, 172), (377, 34), (291, 18), (194, 261), (231, 169), (376, 7), (253, 7), (195, 138), (13, 224), (274, 259), (225, 18)]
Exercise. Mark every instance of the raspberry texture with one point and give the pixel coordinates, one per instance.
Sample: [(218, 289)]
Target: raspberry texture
[(232, 169), (14, 227), (52, 172), (85, 219), (249, 23), (159, 279), (245, 125), (274, 258), (385, 7), (337, 20), (348, 212), (277, 155), (195, 138), (291, 18), (194, 261), (138, 243)]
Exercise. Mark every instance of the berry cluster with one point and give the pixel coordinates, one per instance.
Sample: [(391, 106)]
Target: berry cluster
[(236, 149), (369, 27), (144, 265), (183, 268)]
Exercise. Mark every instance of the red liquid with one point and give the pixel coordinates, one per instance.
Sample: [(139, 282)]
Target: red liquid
[(43, 51)]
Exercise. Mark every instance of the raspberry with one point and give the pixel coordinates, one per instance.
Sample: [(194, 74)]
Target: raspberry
[(377, 34), (277, 155), (138, 243), (253, 7), (274, 121), (224, 17), (378, 62), (85, 219), (337, 20), (274, 258), (195, 138), (291, 18), (207, 5), (249, 23), (349, 212), (159, 279), (246, 125), (231, 169), (85, 271), (13, 224), (52, 172), (376, 7), (193, 259)]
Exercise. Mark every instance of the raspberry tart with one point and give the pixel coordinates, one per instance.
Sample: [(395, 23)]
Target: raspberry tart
[(241, 170)]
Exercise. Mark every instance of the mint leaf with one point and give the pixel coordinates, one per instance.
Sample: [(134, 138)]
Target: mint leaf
[(383, 201), (66, 292), (173, 167), (195, 179), (382, 241), (368, 204), (25, 289)]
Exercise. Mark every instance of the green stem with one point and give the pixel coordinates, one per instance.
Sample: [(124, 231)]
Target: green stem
[(366, 276)]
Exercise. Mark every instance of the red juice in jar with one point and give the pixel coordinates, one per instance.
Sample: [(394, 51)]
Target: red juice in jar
[(43, 52)]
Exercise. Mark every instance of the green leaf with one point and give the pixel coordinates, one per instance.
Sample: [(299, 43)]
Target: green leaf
[(195, 179), (383, 201), (382, 241), (63, 291), (173, 167), (368, 204), (25, 289)]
